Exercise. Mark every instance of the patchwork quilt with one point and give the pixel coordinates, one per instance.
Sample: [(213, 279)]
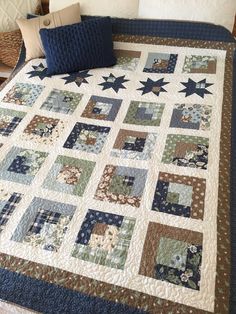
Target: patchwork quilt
[(114, 182)]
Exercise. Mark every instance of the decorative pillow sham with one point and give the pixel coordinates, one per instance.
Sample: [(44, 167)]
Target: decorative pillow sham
[(78, 47), (30, 28), (117, 8), (220, 12)]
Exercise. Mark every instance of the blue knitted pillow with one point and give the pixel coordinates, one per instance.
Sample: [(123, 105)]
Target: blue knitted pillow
[(81, 46)]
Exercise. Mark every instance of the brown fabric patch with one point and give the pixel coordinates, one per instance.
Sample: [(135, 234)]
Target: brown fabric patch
[(127, 53), (122, 137), (99, 229), (182, 148)]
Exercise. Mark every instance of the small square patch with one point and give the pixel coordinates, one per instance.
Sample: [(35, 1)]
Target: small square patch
[(43, 130), (200, 64), (127, 60), (104, 239), (180, 195), (44, 224), (160, 63), (87, 137), (173, 255), (102, 108), (134, 145), (186, 151), (9, 120), (62, 101), (69, 175), (144, 113), (196, 117), (23, 94), (21, 165), (8, 204), (122, 185)]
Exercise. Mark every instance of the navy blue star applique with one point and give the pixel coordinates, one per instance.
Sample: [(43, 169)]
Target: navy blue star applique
[(113, 82), (199, 88), (39, 71), (155, 87), (78, 78)]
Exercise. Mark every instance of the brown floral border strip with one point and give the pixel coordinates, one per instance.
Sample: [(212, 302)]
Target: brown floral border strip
[(134, 298)]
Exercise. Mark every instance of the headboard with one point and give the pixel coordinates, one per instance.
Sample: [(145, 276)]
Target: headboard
[(45, 5)]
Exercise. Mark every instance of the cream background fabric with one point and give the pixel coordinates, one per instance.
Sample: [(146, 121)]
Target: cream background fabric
[(118, 8), (30, 28), (10, 10), (214, 11)]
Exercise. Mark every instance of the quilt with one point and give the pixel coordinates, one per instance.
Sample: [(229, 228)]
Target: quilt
[(114, 182)]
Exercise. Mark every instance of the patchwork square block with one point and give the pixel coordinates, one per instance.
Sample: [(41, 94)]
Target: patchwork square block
[(122, 185), (102, 108), (173, 255), (134, 145), (127, 60), (144, 113), (8, 204), (21, 165), (104, 239), (23, 94), (43, 130), (44, 224), (69, 175), (196, 117), (62, 101), (160, 63), (180, 195), (9, 120), (200, 64), (87, 137), (186, 151)]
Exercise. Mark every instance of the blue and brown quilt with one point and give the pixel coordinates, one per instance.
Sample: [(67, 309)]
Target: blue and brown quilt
[(114, 182)]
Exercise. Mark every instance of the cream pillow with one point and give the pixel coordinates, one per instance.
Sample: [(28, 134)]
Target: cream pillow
[(30, 28), (10, 10), (220, 12), (117, 8)]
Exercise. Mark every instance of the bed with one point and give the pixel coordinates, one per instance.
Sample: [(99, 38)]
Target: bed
[(118, 184)]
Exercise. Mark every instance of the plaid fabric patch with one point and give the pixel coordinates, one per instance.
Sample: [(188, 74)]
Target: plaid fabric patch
[(9, 208), (128, 181), (6, 131), (43, 216)]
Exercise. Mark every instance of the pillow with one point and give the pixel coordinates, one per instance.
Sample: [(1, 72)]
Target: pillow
[(79, 47), (30, 28), (11, 10), (218, 12), (117, 8)]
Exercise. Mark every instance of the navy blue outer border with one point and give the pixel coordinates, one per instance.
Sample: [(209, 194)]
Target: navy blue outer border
[(49, 298)]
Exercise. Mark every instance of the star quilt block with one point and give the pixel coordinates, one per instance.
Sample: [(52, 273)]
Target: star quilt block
[(69, 175), (114, 82), (122, 185), (39, 71), (173, 255), (186, 151), (44, 224), (23, 94), (104, 239), (160, 63), (62, 101), (87, 137), (199, 88), (77, 78), (155, 87), (21, 165), (180, 195), (102, 108), (144, 113), (134, 145)]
